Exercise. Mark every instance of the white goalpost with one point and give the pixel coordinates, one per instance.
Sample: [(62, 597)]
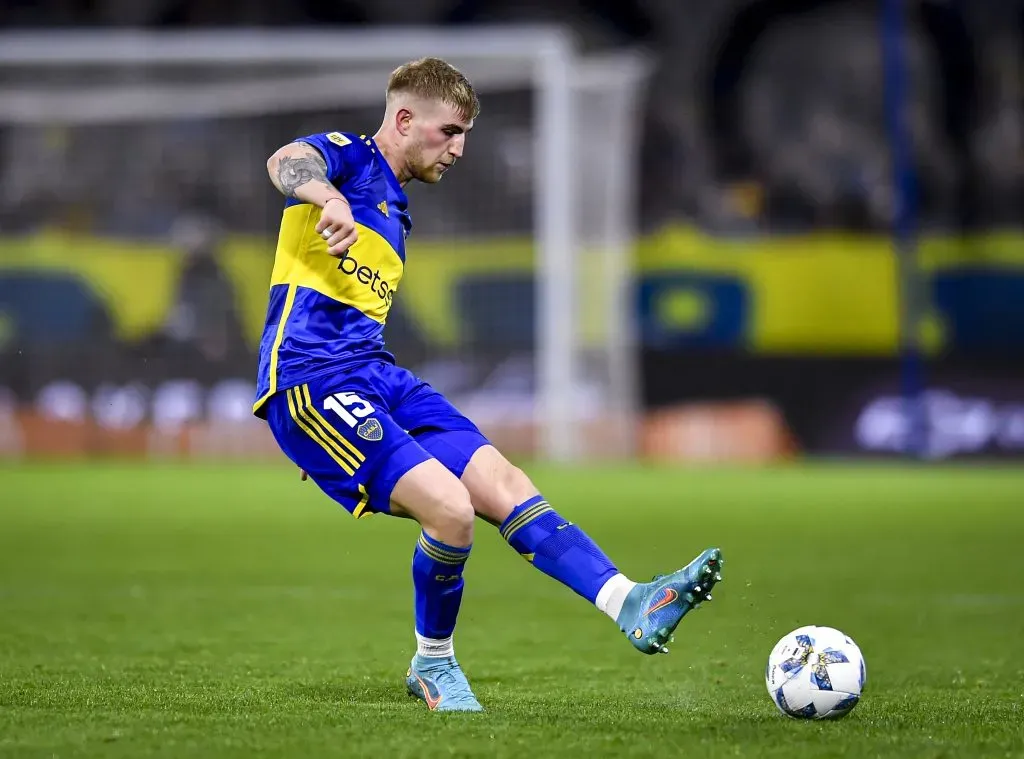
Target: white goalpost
[(583, 134)]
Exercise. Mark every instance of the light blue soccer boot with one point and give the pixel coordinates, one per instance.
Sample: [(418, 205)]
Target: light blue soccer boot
[(652, 610), (440, 682)]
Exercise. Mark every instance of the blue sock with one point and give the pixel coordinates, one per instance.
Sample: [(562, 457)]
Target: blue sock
[(437, 583), (557, 547)]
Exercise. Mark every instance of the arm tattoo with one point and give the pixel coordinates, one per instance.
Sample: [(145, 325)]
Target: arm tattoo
[(295, 171)]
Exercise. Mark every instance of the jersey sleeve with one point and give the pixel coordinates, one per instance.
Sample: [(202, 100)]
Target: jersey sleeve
[(339, 151)]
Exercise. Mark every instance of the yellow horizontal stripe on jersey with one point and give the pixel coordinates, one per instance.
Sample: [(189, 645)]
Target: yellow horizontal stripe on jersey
[(301, 420), (337, 436), (366, 277)]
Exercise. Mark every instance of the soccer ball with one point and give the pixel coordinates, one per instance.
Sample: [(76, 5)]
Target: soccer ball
[(815, 673)]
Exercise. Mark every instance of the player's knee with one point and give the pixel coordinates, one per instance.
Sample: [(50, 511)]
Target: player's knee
[(503, 487), (514, 486), (436, 499), (453, 516), (449, 517)]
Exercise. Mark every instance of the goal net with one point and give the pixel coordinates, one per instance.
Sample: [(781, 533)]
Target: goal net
[(137, 225)]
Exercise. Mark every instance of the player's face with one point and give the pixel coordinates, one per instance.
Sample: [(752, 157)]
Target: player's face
[(437, 139)]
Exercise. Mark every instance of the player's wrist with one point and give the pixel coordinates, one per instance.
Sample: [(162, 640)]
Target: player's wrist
[(338, 198)]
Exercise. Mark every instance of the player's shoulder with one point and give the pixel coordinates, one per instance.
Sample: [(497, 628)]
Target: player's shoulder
[(344, 139), (338, 142), (351, 142), (344, 151)]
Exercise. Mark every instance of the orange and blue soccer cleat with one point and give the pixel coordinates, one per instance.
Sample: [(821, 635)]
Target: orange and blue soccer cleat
[(652, 610), (440, 682)]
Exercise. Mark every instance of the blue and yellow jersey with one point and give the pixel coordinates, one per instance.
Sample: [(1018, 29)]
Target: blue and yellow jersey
[(326, 312)]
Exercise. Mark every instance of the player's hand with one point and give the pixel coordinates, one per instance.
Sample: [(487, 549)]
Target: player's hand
[(337, 226)]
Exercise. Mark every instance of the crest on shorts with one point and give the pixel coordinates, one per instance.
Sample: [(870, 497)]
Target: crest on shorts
[(370, 430)]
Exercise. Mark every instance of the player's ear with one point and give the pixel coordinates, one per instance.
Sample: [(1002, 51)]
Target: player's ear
[(403, 121)]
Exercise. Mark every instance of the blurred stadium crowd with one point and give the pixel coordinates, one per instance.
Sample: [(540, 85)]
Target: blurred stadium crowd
[(741, 134), (760, 118)]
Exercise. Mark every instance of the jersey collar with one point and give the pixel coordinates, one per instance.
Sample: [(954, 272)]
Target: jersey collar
[(388, 173)]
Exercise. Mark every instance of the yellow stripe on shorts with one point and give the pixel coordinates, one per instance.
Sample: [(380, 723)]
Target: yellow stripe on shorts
[(364, 502), (303, 420), (326, 426)]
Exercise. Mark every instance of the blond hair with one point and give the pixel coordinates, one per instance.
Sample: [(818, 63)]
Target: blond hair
[(434, 79)]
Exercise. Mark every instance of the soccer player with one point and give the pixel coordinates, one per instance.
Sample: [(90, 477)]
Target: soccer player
[(376, 438)]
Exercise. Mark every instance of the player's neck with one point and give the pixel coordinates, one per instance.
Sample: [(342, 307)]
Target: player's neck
[(392, 155)]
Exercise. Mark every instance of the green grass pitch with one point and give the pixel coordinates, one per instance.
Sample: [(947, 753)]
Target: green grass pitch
[(236, 612)]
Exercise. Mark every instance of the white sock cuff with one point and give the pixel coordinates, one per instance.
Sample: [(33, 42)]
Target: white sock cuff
[(613, 594), (435, 647)]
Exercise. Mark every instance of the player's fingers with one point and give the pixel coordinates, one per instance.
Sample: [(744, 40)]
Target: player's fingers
[(345, 244), (347, 236), (338, 236), (303, 474), (327, 224)]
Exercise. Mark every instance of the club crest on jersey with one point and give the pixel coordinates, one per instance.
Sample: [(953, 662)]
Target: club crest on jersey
[(339, 139), (383, 207), (370, 430)]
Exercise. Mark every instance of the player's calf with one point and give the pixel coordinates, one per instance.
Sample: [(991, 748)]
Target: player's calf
[(433, 496), (504, 495)]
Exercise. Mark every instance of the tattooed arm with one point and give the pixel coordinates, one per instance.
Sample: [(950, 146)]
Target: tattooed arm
[(299, 171)]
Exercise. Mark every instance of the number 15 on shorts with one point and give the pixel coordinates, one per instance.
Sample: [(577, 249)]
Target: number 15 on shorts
[(349, 406)]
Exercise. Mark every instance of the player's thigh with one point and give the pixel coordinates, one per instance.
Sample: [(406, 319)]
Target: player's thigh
[(346, 441), (440, 428), (435, 498), (495, 485)]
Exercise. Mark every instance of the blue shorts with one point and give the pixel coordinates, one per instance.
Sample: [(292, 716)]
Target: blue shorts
[(358, 431)]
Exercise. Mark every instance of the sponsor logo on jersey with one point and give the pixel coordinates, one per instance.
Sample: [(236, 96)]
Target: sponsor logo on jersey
[(349, 265)]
